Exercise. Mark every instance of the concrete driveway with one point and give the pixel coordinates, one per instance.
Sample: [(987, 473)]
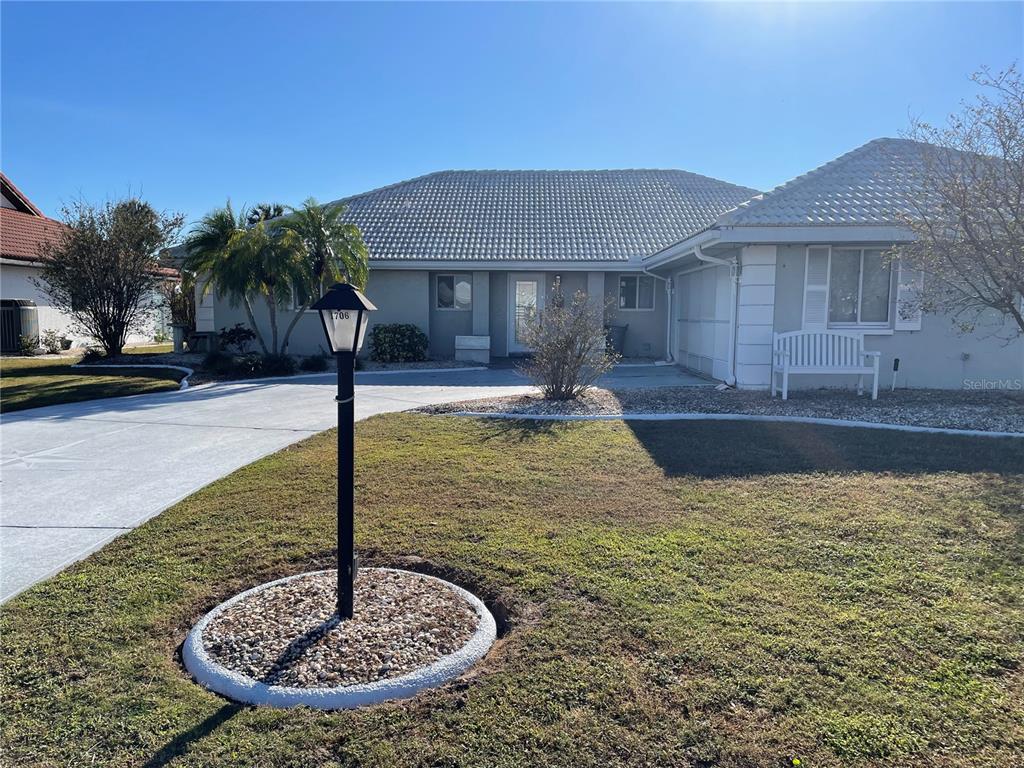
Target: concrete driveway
[(75, 476)]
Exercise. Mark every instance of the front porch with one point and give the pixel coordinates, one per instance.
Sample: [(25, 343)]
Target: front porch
[(479, 315)]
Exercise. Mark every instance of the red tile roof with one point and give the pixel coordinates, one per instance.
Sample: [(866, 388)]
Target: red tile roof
[(21, 234), (23, 230)]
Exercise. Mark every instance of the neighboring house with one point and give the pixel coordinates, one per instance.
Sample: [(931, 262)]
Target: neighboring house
[(701, 271), (25, 309)]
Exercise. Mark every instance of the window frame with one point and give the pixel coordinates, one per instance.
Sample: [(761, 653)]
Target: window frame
[(636, 293), (858, 324), (296, 306), (455, 277)]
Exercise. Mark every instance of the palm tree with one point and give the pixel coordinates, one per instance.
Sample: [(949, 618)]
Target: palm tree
[(334, 251), (274, 257), (212, 250)]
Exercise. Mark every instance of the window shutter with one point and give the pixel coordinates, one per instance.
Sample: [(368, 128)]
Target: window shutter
[(909, 287), (816, 288)]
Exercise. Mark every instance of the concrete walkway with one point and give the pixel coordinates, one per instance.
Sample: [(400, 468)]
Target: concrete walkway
[(75, 476)]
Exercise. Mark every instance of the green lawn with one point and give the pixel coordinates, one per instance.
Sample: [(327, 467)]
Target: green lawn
[(148, 349), (27, 382), (679, 594)]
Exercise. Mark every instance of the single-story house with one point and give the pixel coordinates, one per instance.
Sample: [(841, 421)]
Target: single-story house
[(701, 272), (25, 309)]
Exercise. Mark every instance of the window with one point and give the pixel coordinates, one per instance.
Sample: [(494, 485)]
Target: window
[(636, 292), (454, 292), (859, 285), (299, 298)]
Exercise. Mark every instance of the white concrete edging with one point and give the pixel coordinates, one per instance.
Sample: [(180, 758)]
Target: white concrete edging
[(734, 417), (184, 382), (217, 678)]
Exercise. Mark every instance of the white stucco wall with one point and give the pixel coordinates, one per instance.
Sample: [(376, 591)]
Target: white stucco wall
[(937, 356), (16, 283)]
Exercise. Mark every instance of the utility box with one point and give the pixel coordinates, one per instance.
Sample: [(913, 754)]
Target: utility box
[(473, 349), (18, 317)]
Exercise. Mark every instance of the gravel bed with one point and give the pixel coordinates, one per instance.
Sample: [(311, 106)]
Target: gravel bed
[(993, 411), (288, 635)]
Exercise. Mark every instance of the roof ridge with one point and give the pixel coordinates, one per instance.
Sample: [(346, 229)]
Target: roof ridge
[(474, 171)]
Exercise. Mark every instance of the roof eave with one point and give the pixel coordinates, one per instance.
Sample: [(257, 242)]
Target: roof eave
[(780, 235)]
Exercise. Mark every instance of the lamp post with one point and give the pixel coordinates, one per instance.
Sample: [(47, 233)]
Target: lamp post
[(344, 314)]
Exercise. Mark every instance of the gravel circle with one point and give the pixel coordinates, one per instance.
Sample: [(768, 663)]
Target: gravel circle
[(287, 634), (990, 411)]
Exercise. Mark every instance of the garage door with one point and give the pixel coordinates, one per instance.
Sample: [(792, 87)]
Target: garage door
[(702, 320)]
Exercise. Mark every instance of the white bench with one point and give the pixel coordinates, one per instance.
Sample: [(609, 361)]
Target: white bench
[(822, 352)]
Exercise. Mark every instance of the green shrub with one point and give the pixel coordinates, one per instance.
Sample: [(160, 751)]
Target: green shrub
[(27, 345), (50, 341), (247, 365), (92, 355), (398, 343), (238, 336), (314, 364), (218, 362), (278, 365)]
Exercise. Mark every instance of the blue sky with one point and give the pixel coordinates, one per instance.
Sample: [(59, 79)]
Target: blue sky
[(191, 103)]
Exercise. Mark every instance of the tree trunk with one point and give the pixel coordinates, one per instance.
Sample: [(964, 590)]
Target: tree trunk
[(272, 308), (252, 323), (291, 326)]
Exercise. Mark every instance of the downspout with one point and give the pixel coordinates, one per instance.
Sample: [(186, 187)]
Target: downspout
[(670, 358), (734, 279)]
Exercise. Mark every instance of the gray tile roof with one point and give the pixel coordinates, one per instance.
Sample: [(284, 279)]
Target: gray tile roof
[(538, 215), (870, 185)]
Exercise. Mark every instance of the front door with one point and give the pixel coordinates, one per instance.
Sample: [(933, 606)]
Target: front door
[(525, 300)]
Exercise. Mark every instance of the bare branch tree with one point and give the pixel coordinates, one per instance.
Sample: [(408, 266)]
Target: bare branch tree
[(569, 345), (968, 217), (102, 270)]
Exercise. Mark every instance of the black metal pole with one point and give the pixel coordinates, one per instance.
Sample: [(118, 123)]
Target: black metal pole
[(346, 483)]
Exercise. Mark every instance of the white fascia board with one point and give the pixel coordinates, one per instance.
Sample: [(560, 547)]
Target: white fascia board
[(20, 263), (486, 265), (681, 249), (822, 234)]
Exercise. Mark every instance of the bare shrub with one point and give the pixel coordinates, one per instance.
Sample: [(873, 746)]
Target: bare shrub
[(569, 347)]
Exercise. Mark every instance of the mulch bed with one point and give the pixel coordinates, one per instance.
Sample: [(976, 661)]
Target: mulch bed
[(288, 635), (995, 411)]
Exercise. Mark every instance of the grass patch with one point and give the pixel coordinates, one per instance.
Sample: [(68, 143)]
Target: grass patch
[(690, 594), (148, 349), (27, 382)]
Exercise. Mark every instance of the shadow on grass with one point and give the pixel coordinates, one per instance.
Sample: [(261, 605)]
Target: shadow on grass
[(713, 449), (181, 743), (523, 430)]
